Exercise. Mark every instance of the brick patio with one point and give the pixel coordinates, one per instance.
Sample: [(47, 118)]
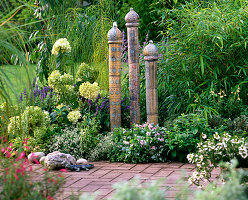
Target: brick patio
[(104, 174)]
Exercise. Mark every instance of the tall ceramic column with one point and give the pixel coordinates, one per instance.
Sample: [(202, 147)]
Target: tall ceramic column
[(132, 23), (151, 57), (115, 40)]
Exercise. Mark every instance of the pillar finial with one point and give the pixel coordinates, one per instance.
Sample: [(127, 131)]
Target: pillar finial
[(114, 34), (150, 51), (132, 18)]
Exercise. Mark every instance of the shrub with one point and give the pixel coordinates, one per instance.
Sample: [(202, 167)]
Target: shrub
[(32, 122), (148, 143), (79, 139), (222, 147), (68, 141), (102, 149), (90, 135)]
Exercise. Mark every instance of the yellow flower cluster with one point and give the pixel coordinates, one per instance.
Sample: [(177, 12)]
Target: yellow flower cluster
[(74, 116), (60, 83), (62, 45), (89, 91)]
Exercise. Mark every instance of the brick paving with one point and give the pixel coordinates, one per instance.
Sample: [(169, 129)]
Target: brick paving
[(101, 178)]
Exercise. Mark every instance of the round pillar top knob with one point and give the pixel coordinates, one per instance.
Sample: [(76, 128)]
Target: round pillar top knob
[(114, 34), (150, 50), (132, 17)]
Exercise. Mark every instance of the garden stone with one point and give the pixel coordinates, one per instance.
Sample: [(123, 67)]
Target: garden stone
[(35, 156), (81, 161), (59, 160), (53, 153), (42, 159)]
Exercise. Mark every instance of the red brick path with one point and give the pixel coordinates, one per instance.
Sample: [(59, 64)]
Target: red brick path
[(101, 178)]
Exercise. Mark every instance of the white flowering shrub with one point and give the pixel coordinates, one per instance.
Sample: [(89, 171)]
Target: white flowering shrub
[(61, 45), (74, 116), (211, 151), (60, 83), (89, 91)]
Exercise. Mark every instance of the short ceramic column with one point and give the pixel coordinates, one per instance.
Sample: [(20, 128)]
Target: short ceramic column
[(151, 57), (115, 40), (132, 19)]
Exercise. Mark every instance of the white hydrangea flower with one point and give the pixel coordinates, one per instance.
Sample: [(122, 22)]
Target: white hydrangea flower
[(62, 45), (74, 116), (89, 91)]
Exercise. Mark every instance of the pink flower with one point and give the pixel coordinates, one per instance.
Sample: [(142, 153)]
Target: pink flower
[(7, 171), (36, 161), (153, 148), (156, 134), (25, 141), (26, 147), (22, 155), (9, 149), (150, 126), (30, 168), (11, 144), (16, 177), (3, 150), (161, 139), (50, 198), (7, 154), (63, 170), (142, 142)]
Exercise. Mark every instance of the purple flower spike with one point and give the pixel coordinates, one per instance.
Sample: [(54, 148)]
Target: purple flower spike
[(25, 93), (21, 99)]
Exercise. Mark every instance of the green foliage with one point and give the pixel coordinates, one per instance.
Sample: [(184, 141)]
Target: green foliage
[(205, 51), (90, 135), (102, 12), (68, 141), (32, 122), (102, 149)]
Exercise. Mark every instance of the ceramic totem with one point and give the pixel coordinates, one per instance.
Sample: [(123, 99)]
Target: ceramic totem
[(115, 40), (132, 23), (151, 57)]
